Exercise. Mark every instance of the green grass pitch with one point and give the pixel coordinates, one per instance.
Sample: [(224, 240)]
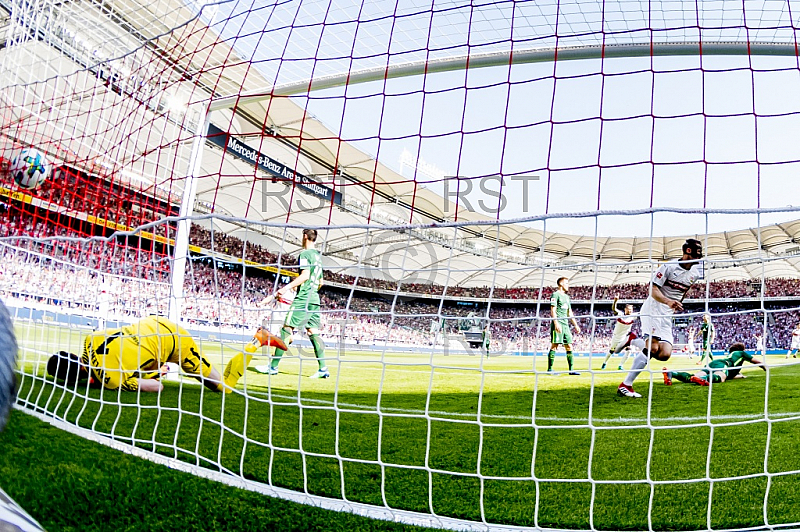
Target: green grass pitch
[(461, 436)]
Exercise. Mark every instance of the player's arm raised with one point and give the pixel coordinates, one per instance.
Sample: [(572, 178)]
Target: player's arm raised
[(614, 310)]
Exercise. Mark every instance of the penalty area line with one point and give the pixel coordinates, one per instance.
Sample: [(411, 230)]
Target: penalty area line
[(723, 417), (444, 413)]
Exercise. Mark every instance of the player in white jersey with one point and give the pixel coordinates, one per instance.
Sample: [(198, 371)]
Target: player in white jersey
[(690, 343), (278, 307), (621, 339), (669, 286), (795, 346)]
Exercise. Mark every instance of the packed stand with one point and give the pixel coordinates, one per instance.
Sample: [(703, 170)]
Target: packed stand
[(105, 256), (108, 277), (222, 297)]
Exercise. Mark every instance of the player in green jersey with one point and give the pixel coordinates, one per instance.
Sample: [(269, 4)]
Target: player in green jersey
[(719, 370), (561, 312), (709, 335), (487, 339), (304, 312)]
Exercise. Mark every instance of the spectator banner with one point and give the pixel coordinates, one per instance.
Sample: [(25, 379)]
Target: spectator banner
[(266, 163)]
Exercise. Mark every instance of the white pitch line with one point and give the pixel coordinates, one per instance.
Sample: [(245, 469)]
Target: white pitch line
[(728, 417)]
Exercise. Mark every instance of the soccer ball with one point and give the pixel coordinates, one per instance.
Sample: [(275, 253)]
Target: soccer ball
[(30, 168)]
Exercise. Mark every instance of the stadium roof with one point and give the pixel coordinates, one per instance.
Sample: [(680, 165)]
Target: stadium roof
[(158, 36)]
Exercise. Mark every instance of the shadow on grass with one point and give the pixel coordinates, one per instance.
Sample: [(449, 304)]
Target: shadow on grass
[(478, 455)]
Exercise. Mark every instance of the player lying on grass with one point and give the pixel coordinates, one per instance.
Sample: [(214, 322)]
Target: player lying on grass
[(132, 357), (720, 370)]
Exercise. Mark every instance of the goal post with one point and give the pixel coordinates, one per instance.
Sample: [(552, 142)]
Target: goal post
[(181, 245)]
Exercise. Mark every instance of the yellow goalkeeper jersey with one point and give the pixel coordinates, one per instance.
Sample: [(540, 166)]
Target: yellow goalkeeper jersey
[(120, 357)]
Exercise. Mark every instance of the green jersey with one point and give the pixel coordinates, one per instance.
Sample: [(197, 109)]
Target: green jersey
[(310, 259), (707, 330), (560, 301), (735, 361)]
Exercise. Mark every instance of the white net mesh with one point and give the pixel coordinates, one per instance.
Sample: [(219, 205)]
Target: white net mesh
[(456, 161)]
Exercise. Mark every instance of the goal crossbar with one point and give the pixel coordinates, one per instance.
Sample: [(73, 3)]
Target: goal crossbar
[(509, 57)]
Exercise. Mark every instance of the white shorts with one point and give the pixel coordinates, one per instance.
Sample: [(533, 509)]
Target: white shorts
[(795, 343), (659, 325), (616, 341)]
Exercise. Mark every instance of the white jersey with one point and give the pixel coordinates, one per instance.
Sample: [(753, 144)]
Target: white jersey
[(796, 339), (673, 281), (623, 326)]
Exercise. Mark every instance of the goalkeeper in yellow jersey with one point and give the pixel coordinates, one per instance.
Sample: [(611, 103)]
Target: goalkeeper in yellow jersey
[(131, 357)]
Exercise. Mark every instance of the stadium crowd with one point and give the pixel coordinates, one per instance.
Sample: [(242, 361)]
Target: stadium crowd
[(108, 256), (108, 277), (717, 289), (222, 297)]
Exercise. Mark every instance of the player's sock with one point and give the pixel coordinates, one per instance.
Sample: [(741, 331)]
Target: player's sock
[(569, 360), (551, 357), (276, 358), (235, 369), (624, 358), (639, 362), (716, 378), (682, 376), (319, 349), (605, 360)]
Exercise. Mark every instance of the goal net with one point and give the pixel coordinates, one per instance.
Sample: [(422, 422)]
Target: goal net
[(459, 163)]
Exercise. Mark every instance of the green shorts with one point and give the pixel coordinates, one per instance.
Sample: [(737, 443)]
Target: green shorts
[(716, 365), (564, 337), (304, 315)]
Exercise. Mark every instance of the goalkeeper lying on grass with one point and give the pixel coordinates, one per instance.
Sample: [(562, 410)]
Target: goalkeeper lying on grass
[(719, 370), (132, 357)]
